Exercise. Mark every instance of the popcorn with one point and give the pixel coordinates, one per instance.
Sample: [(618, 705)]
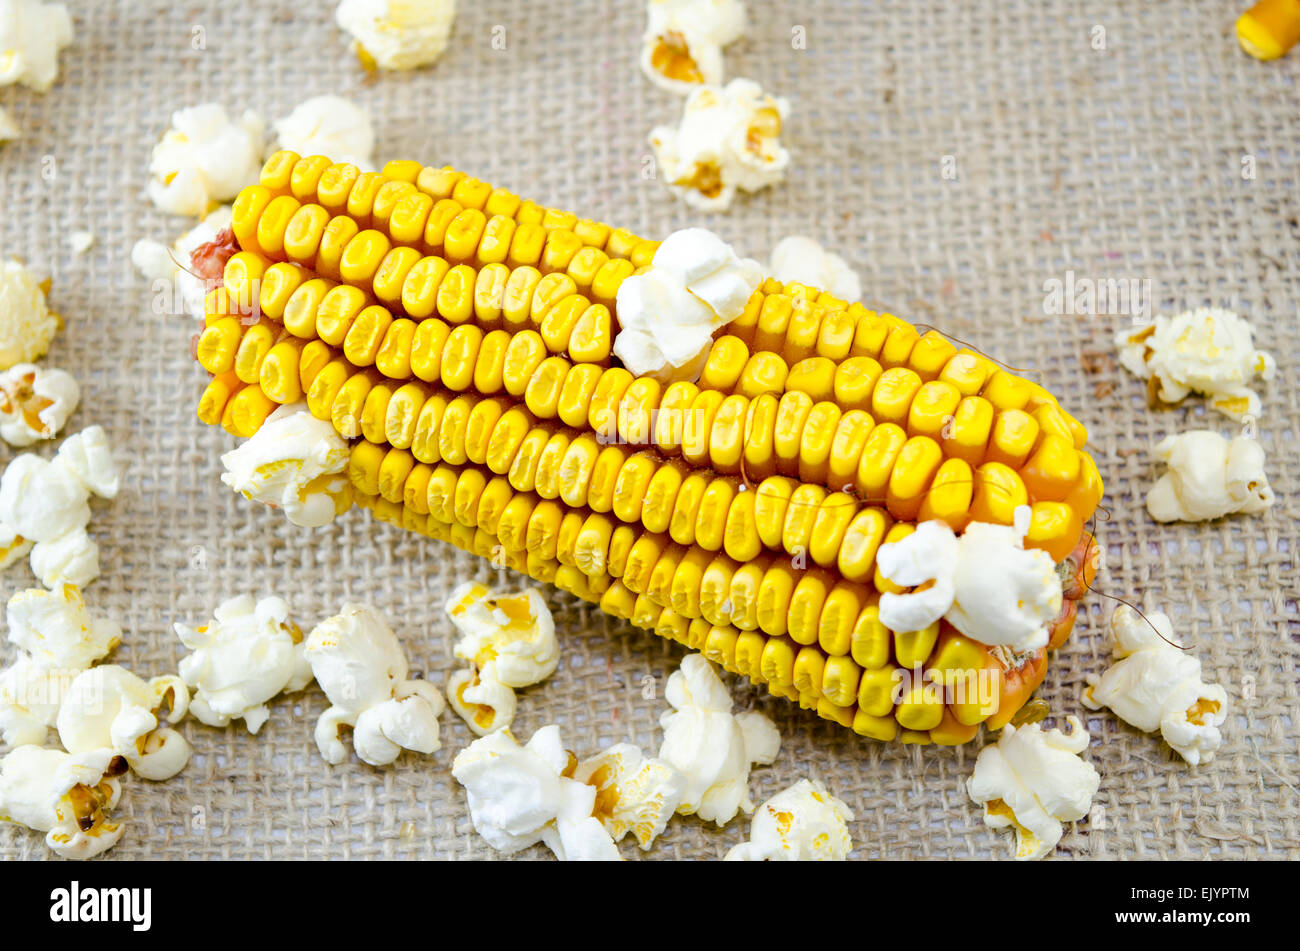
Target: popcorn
[(1034, 780), (801, 824), (249, 653), (157, 262), (35, 403), (803, 260), (359, 663), (710, 747), (205, 159), (109, 708), (31, 35), (667, 315), (1209, 477), (295, 462), (985, 583), (56, 629), (26, 324), (633, 794), (522, 795), (1155, 685), (683, 41), (331, 126), (47, 502), (81, 241), (484, 704), (57, 639), (728, 139), (510, 638), (397, 34), (1207, 351), (67, 796)]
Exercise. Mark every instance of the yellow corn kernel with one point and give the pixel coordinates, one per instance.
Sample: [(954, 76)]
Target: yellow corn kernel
[(839, 685), (218, 345), (277, 171), (1054, 527), (607, 281), (576, 393), (930, 355), (304, 233), (876, 727), (451, 434), (390, 193), (459, 357), (809, 671), (604, 478), (490, 294), (315, 355), (246, 212), (478, 429), (325, 387), (920, 707), (835, 338), (912, 648), (880, 453), (670, 424), (787, 436), (839, 617), (390, 279), (855, 382), (396, 466), (410, 215), (686, 507), (892, 398), (876, 690), (966, 435), (725, 364), (394, 357), (302, 307), (427, 346), (777, 662), (215, 396), (967, 372), (516, 308), (524, 354), (899, 343), (460, 241), (870, 641), (278, 375), (512, 527), (345, 413), (816, 442), (660, 499), (441, 216), (278, 284), (1052, 471), (489, 366), (403, 413), (1013, 437), (862, 539), (846, 448), (715, 587), (573, 475), (506, 439), (546, 387), (1007, 391), (763, 373), (773, 322), (814, 376), (999, 491), (711, 518), (335, 185), (465, 497), (523, 468), (917, 463), (774, 595), (366, 335), (422, 286), (897, 532), (361, 200), (950, 495), (456, 294)]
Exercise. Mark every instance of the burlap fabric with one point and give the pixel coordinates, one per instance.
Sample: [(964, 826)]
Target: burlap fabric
[(960, 155)]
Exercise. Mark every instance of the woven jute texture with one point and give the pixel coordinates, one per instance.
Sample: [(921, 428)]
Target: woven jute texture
[(960, 155)]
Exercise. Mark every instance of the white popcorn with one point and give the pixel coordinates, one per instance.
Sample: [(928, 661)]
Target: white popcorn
[(331, 126), (26, 324), (29, 700), (109, 708), (81, 241), (31, 35), (1155, 685), (633, 794), (667, 315), (359, 663), (72, 558), (248, 654), (484, 704), (801, 824), (985, 583), (41, 500), (1207, 351), (1209, 476), (728, 139), (8, 127), (398, 34), (12, 546), (522, 795), (683, 40), (63, 795), (712, 748), (205, 159), (57, 629), (1034, 780), (295, 462), (158, 262), (57, 639), (88, 457), (509, 638), (802, 260)]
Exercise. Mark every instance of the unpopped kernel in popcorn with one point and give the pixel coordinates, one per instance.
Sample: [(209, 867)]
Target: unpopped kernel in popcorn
[(158, 263), (1209, 477), (57, 630), (633, 794), (1156, 685), (331, 126), (1207, 351), (205, 159), (109, 708), (683, 40), (359, 663), (1035, 780), (522, 795), (26, 324), (803, 260), (397, 34), (248, 654), (728, 139), (712, 748), (985, 583), (294, 462), (696, 283), (801, 824), (67, 796), (31, 35)]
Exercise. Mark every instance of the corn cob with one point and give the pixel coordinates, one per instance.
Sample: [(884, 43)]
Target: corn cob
[(818, 431)]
